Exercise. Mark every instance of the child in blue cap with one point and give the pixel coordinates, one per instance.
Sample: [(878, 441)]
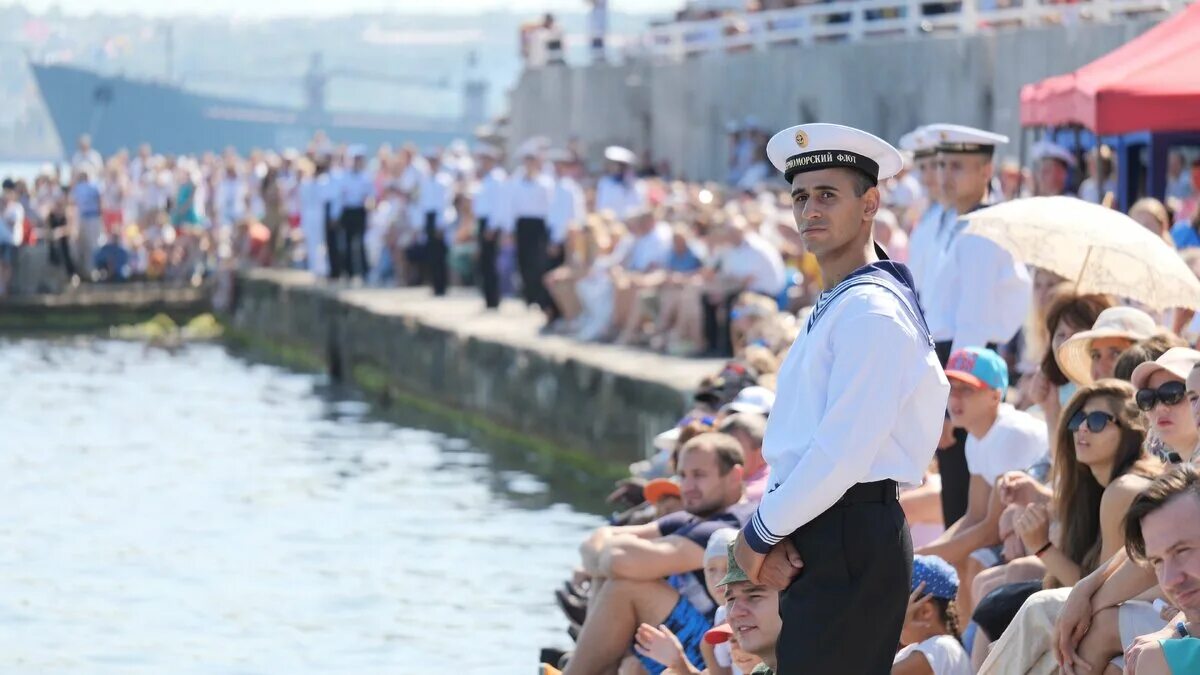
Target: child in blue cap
[(930, 632)]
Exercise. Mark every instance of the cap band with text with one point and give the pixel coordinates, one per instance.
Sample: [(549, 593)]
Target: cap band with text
[(830, 159)]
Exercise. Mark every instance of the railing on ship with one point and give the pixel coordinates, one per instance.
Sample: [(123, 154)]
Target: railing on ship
[(852, 20)]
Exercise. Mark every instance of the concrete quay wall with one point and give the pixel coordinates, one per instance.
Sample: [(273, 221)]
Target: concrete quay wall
[(888, 86), (597, 403)]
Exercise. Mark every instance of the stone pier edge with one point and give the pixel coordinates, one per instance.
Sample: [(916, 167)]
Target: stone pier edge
[(593, 421)]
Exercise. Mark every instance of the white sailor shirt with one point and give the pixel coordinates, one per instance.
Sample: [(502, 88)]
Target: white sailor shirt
[(489, 200), (622, 197), (530, 197), (923, 251), (357, 188), (861, 399), (979, 294), (566, 208), (437, 196)]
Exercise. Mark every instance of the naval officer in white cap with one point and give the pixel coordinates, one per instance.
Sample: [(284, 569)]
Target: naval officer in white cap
[(980, 295), (859, 409)]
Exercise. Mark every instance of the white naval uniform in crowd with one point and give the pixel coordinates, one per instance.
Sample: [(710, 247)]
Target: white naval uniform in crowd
[(490, 204), (530, 200), (867, 404), (978, 294), (356, 188), (622, 197), (438, 215), (923, 250)]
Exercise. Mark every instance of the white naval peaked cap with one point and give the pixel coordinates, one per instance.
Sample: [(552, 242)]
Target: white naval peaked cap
[(533, 147), (615, 153), (812, 147), (918, 142), (956, 138), (1044, 149), (487, 151)]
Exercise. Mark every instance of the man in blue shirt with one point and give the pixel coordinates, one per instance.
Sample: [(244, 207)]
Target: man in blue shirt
[(85, 197)]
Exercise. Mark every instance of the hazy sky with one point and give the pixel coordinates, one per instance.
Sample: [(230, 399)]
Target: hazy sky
[(269, 8)]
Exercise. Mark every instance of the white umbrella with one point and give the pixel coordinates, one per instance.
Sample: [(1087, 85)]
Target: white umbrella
[(1097, 248)]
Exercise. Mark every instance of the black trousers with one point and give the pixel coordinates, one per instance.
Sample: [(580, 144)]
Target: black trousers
[(843, 614), (952, 461), (489, 278), (435, 255), (533, 260), (354, 254), (717, 325), (335, 244)]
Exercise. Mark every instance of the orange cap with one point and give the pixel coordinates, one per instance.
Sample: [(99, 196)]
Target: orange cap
[(659, 488)]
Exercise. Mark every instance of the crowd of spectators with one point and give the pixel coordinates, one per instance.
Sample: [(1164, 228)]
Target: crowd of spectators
[(1083, 418)]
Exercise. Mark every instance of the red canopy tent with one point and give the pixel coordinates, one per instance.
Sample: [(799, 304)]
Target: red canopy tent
[(1151, 83)]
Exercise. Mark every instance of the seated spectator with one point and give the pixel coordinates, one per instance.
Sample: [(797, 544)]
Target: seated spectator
[(1000, 439), (748, 429), (1161, 386), (1163, 532), (746, 262), (1092, 355), (1067, 314), (1100, 465), (111, 261), (930, 632), (653, 573)]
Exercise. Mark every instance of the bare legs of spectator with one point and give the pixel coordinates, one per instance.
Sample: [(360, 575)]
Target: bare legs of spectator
[(632, 330), (560, 284), (612, 620)]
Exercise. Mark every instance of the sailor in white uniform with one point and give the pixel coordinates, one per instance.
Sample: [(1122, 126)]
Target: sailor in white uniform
[(922, 245), (976, 295), (491, 211), (859, 409), (530, 194), (619, 190), (979, 294), (436, 200)]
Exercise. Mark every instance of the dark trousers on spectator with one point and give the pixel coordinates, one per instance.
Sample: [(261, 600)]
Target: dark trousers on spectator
[(489, 278), (533, 260), (717, 325), (354, 224), (60, 254), (335, 242), (843, 614), (435, 254)]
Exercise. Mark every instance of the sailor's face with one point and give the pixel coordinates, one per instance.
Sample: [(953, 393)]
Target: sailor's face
[(828, 212), (963, 177)]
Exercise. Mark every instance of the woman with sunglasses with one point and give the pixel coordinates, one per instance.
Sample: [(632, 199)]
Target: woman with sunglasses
[(1100, 465), (1162, 396)]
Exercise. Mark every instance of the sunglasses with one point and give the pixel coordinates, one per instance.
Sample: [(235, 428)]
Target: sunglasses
[(1170, 393), (1096, 421)]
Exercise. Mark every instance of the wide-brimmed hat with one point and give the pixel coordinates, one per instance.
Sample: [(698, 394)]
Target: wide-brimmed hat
[(1178, 361), (1074, 356)]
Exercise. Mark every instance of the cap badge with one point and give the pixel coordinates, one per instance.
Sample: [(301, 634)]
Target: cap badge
[(801, 139)]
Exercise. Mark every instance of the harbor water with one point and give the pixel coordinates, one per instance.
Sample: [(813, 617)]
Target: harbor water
[(197, 512)]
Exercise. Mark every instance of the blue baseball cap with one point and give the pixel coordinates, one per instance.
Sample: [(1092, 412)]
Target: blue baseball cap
[(979, 367), (939, 577)]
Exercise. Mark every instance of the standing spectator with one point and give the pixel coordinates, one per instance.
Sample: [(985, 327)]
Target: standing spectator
[(329, 192), (85, 196), (312, 217), (59, 235), (531, 193), (1101, 181), (436, 200), (490, 212), (12, 215), (1053, 170), (1190, 208), (85, 157), (357, 186)]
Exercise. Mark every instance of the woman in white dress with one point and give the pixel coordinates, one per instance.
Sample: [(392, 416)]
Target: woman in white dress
[(312, 219)]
